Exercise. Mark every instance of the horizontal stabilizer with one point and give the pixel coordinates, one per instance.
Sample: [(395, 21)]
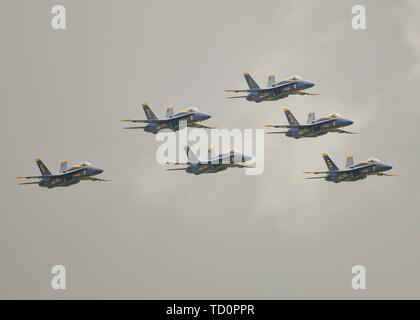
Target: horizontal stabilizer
[(245, 90), (134, 127), (284, 126), (177, 163), (38, 177), (236, 97)]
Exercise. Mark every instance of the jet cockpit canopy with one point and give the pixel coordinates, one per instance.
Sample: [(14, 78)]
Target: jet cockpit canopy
[(334, 115), (85, 164), (295, 77)]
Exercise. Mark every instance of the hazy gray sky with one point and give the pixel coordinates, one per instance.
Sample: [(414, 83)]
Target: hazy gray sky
[(157, 234)]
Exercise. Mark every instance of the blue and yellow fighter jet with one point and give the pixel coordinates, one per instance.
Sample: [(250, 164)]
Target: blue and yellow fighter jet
[(66, 177), (171, 121), (313, 127), (274, 91), (352, 172), (214, 163)]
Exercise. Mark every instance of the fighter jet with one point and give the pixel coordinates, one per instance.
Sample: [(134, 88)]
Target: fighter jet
[(171, 121), (66, 177), (313, 127), (352, 172), (274, 91), (214, 163)]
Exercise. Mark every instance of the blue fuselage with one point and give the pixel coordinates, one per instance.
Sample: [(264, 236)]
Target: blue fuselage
[(357, 172), (69, 177), (220, 163), (280, 90), (317, 128), (173, 124)]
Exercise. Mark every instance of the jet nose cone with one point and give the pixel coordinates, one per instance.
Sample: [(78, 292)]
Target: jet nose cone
[(388, 167), (98, 170), (348, 122), (310, 84), (206, 116), (246, 158)]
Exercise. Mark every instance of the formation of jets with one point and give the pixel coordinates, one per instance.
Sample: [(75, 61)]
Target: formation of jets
[(192, 117)]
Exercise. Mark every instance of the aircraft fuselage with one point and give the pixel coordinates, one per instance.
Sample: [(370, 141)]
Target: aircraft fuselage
[(279, 91), (357, 172), (316, 129), (69, 177), (189, 118)]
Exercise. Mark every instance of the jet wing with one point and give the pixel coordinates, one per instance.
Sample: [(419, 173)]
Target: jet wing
[(36, 182), (98, 179), (145, 121), (302, 93), (51, 175), (344, 131), (178, 163), (39, 177), (261, 90), (239, 165), (285, 126), (245, 90), (318, 172), (236, 97), (135, 127), (341, 171), (198, 125), (301, 126), (178, 117)]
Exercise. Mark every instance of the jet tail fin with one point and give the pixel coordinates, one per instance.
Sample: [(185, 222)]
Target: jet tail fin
[(311, 117), (44, 170), (349, 160), (292, 120), (149, 113), (169, 111), (63, 166), (251, 82), (210, 153), (271, 80), (330, 164), (192, 158)]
